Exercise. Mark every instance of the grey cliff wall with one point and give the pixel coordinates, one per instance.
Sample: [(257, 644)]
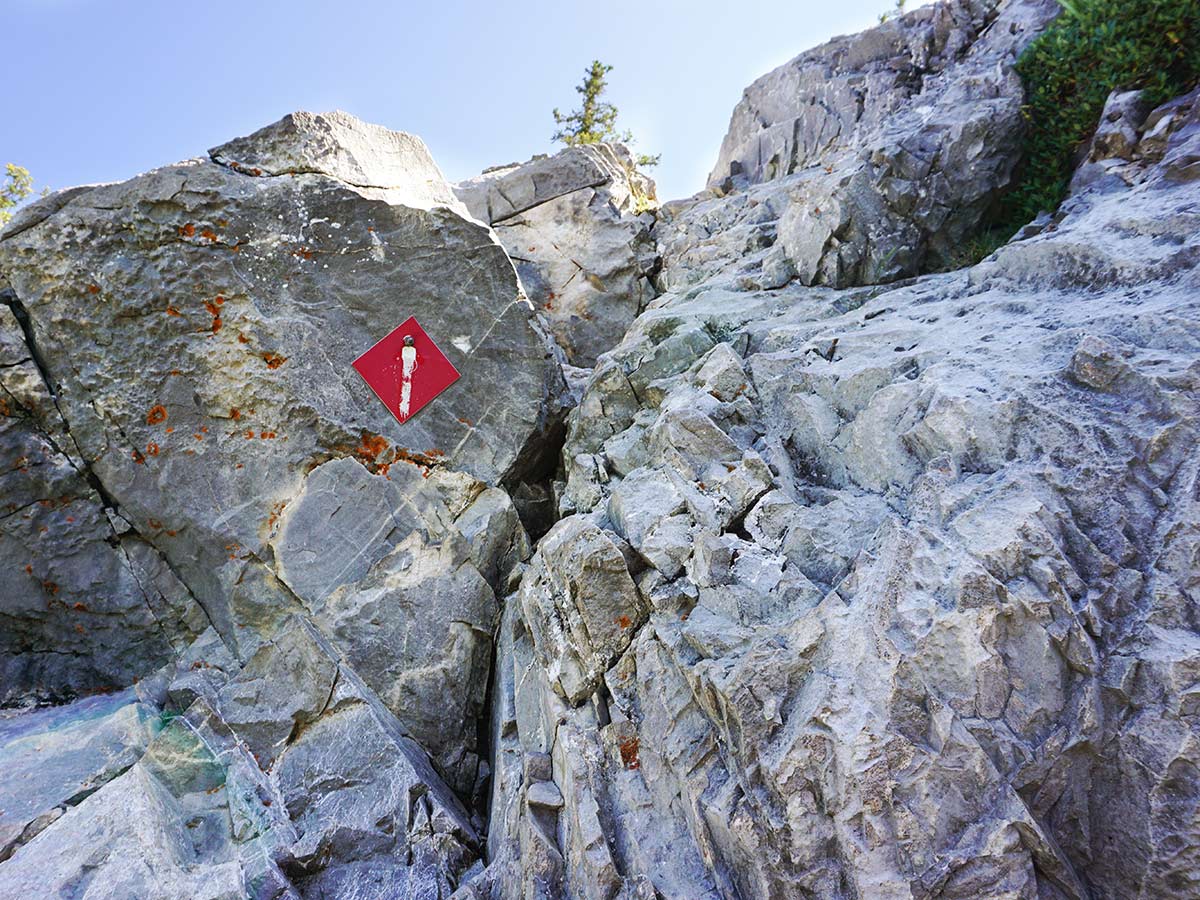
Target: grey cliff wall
[(849, 578)]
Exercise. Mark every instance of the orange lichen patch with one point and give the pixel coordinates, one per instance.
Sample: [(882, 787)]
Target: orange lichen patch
[(371, 445), (172, 311), (188, 230), (154, 523), (242, 339), (171, 430), (198, 436), (209, 235), (214, 310), (138, 457), (629, 753), (79, 628), (267, 435), (273, 360), (156, 415), (435, 453), (152, 449), (176, 371), (50, 587), (240, 466), (249, 434), (234, 413), (624, 621), (79, 607), (170, 533), (302, 253), (93, 288), (4, 408), (276, 512), (204, 429), (29, 569), (466, 422), (70, 519)]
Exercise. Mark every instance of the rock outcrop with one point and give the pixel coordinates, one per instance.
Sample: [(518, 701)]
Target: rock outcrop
[(920, 565), (577, 226), (870, 158), (840, 589)]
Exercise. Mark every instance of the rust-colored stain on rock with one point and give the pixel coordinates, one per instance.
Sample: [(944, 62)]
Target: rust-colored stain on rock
[(629, 753)]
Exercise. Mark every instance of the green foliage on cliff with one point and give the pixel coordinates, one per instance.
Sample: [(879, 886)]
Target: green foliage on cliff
[(897, 10), (1093, 48), (17, 185), (596, 119)]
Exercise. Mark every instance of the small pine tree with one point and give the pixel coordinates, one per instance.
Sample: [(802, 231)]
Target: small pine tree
[(18, 184), (596, 119), (893, 13)]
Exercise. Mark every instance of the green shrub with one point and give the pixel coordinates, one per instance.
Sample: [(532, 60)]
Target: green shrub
[(1093, 48)]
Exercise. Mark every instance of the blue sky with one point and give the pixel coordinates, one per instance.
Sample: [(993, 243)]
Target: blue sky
[(99, 90)]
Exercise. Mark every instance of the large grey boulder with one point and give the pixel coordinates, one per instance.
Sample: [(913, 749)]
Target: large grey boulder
[(207, 500), (196, 325), (577, 226), (948, 650)]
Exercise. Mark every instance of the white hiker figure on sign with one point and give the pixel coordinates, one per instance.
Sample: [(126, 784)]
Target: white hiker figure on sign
[(406, 370), (408, 365)]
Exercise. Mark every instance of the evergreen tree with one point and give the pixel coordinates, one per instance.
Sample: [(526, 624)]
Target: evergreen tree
[(596, 119), (898, 10)]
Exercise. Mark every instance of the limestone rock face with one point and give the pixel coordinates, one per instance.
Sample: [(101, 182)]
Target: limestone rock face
[(577, 226), (919, 567), (872, 157), (829, 590), (88, 603)]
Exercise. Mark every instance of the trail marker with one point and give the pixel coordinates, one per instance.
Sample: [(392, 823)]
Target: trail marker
[(406, 370)]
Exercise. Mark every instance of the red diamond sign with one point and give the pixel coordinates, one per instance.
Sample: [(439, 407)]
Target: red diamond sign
[(406, 370)]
